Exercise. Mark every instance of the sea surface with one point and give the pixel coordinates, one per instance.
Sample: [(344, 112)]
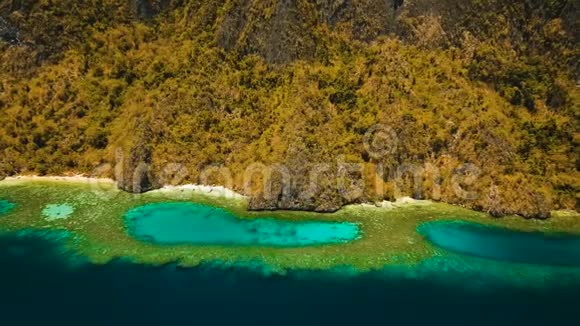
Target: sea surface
[(43, 284)]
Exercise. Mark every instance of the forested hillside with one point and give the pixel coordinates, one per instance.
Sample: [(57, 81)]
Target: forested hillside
[(484, 89)]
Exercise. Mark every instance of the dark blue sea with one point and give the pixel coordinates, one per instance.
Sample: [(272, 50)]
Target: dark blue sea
[(40, 286)]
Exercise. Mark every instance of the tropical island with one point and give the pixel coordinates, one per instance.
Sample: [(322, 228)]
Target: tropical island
[(293, 162), (295, 134), (472, 103)]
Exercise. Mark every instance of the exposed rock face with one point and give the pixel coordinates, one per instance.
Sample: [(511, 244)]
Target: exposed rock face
[(147, 9), (541, 213), (329, 197), (301, 184), (133, 174), (288, 31), (304, 183), (143, 9), (133, 171), (322, 195), (334, 11), (8, 32), (282, 38), (522, 202), (288, 34)]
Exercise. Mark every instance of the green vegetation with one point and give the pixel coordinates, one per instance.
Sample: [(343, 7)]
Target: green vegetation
[(233, 82)]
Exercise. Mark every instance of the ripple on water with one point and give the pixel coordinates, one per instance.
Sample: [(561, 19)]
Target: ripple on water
[(503, 244), (187, 223)]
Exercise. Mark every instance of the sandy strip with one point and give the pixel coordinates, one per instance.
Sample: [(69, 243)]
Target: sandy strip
[(217, 191), (76, 178), (400, 202)]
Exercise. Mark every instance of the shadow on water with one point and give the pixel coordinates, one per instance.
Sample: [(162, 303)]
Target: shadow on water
[(39, 286), (503, 244)]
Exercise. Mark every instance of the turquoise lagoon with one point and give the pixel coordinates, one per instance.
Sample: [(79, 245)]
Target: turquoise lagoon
[(502, 244), (188, 223)]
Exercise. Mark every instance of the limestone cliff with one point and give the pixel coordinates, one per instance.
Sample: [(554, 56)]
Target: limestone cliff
[(478, 98)]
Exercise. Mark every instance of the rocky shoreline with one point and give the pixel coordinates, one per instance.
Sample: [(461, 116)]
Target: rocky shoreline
[(260, 204)]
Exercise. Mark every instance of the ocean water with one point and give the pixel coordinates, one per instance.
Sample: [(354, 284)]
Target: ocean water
[(42, 284), (502, 244), (188, 223)]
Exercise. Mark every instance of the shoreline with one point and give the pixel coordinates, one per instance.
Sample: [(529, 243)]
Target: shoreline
[(79, 178), (389, 235), (212, 190), (223, 192)]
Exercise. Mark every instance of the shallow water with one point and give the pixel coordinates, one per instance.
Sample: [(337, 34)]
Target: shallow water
[(502, 244), (187, 223), (6, 206), (57, 211)]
